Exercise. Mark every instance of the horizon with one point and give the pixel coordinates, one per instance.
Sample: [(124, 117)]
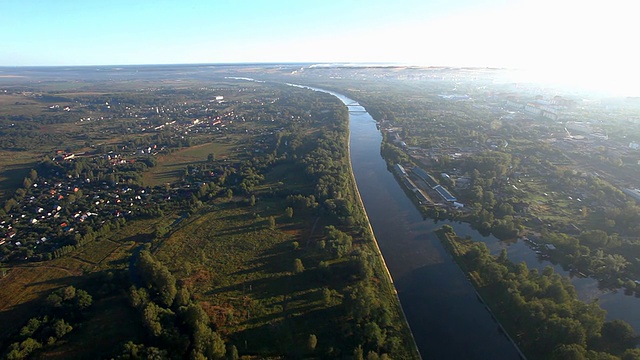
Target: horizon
[(587, 44), (509, 75)]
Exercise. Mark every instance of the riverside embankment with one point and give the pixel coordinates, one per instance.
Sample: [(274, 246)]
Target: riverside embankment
[(441, 306)]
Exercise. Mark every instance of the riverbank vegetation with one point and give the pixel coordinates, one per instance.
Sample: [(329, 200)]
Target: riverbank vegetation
[(214, 222), (540, 310), (518, 174), (556, 172)]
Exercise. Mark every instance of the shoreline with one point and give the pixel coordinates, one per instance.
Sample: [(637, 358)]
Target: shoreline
[(378, 251), (448, 244), (375, 241)]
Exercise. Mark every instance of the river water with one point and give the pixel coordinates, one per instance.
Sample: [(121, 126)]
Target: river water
[(446, 318)]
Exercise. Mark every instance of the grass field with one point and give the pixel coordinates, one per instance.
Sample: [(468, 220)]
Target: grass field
[(113, 322), (230, 244), (22, 287), (171, 167), (97, 251), (14, 167), (286, 176), (25, 286), (241, 270), (11, 104)]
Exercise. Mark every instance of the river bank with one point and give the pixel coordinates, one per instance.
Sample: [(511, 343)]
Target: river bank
[(539, 308), (381, 257), (440, 305), (388, 278)]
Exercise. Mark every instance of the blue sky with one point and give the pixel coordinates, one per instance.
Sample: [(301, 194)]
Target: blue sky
[(44, 32), (552, 38)]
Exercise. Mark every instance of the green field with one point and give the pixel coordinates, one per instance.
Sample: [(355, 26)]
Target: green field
[(13, 169), (171, 167), (112, 323)]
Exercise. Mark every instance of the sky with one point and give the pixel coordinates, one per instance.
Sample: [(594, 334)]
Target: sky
[(589, 42)]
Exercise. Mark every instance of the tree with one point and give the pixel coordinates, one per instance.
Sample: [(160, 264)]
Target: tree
[(361, 300), (211, 157), (502, 258), (288, 212), (61, 328), (358, 353), (618, 336), (312, 342), (138, 297), (298, 267), (23, 349), (569, 352), (631, 354), (53, 301), (272, 223), (68, 293), (372, 355), (195, 316), (374, 334), (208, 343), (83, 300), (232, 353), (32, 326), (151, 319), (157, 278), (182, 297), (326, 296)]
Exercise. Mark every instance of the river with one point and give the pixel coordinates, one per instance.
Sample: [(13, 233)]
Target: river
[(446, 318)]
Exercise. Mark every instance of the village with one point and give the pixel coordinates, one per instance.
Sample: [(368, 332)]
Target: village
[(68, 198)]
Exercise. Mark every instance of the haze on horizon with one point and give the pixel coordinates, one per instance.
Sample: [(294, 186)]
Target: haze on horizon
[(569, 42)]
